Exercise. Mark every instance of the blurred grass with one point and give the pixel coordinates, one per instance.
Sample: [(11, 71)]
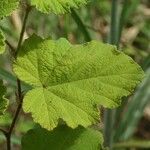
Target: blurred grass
[(109, 115), (135, 110), (134, 144)]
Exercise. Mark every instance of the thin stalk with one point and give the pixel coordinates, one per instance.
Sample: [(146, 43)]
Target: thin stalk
[(9, 45), (113, 37), (19, 90), (28, 9), (109, 120), (81, 25), (3, 131), (109, 115)]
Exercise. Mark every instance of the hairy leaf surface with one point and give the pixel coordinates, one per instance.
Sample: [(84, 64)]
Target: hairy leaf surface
[(57, 6), (3, 101), (69, 81), (7, 7), (2, 42), (63, 138)]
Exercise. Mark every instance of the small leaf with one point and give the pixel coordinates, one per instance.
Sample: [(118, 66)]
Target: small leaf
[(57, 6), (2, 42), (7, 7), (70, 80), (63, 138), (3, 100)]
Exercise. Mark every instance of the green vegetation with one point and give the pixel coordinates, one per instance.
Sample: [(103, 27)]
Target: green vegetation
[(62, 86)]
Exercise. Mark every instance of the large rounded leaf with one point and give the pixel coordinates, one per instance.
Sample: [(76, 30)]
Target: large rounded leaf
[(62, 138), (69, 81), (57, 6)]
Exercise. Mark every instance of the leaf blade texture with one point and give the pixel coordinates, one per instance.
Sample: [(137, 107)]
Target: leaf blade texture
[(3, 100), (2, 43), (63, 138), (70, 81), (7, 7), (57, 6)]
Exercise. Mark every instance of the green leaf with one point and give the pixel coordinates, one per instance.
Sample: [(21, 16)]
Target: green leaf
[(3, 100), (2, 42), (70, 80), (57, 6), (63, 138), (7, 7)]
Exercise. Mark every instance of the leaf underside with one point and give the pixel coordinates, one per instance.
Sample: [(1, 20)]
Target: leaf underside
[(57, 6), (69, 81), (3, 101), (63, 138)]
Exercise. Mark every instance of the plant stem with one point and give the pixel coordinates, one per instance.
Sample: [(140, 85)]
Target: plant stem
[(3, 131), (11, 47), (113, 37), (28, 9), (19, 90), (109, 115), (108, 128), (81, 25)]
